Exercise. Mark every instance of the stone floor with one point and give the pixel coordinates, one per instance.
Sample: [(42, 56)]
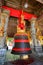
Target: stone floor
[(36, 62), (10, 58)]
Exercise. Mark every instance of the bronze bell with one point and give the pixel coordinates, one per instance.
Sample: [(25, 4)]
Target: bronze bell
[(21, 44)]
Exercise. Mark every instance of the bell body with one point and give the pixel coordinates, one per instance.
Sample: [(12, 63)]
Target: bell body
[(21, 44)]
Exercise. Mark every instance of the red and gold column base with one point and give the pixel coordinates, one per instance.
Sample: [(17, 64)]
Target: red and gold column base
[(21, 44)]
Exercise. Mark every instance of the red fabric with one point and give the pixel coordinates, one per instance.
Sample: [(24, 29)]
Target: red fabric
[(16, 13), (21, 40), (22, 26), (21, 49)]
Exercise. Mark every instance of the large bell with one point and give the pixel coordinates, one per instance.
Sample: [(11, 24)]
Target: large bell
[(21, 44)]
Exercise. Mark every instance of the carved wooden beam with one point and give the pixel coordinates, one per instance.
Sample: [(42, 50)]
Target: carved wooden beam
[(40, 18), (40, 23), (33, 6), (41, 1)]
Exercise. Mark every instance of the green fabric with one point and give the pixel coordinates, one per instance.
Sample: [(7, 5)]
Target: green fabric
[(10, 39)]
